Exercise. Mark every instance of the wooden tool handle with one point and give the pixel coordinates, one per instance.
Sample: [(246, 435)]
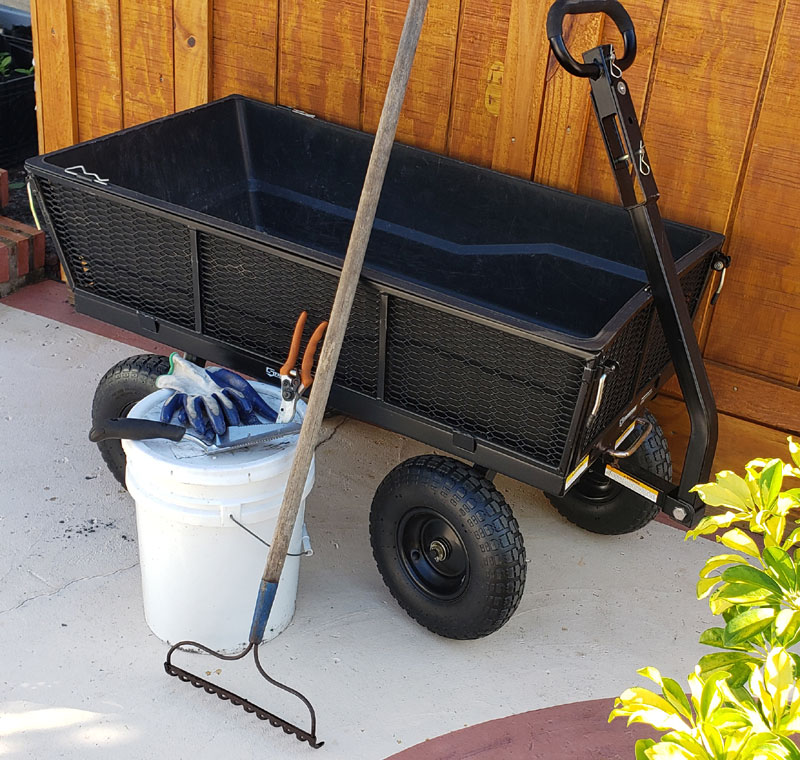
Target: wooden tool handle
[(345, 293)]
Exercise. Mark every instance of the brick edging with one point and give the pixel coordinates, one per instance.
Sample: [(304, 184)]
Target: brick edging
[(22, 249)]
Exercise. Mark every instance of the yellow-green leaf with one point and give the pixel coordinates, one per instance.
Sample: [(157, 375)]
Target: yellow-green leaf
[(717, 495), (751, 576), (738, 540), (641, 746), (718, 561), (748, 624), (794, 450), (736, 484), (704, 586), (770, 482)]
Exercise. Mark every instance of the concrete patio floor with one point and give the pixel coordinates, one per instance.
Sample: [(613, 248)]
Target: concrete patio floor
[(81, 674)]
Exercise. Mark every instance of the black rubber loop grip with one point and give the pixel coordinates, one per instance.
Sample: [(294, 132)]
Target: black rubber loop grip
[(134, 429), (555, 30)]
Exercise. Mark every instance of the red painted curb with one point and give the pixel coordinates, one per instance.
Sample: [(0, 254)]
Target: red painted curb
[(578, 731)]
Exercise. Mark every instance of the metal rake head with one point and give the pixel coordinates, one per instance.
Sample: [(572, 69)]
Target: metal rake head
[(246, 705)]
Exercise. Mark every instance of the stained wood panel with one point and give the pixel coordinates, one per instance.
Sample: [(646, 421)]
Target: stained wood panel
[(146, 36), (54, 52), (566, 110), (99, 75), (757, 322), (708, 72), (192, 46), (425, 114), (524, 75), (478, 85), (596, 179), (321, 54), (245, 49)]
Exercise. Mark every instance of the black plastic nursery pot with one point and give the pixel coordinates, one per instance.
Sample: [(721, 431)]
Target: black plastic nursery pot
[(18, 134), (489, 308)]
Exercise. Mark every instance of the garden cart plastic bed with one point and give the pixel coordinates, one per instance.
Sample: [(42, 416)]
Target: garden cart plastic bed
[(489, 309)]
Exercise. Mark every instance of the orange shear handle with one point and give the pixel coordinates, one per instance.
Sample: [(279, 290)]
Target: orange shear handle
[(308, 357), (294, 350)]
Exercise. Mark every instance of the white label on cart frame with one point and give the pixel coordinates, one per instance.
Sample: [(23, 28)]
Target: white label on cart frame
[(576, 473), (632, 484)]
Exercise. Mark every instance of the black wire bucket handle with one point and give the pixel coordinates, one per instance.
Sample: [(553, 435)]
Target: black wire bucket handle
[(555, 31)]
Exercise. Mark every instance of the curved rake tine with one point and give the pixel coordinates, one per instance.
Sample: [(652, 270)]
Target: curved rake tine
[(235, 699)]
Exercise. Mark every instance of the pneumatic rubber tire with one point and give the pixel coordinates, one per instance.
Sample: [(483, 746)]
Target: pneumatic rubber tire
[(123, 386), (474, 581), (600, 505)]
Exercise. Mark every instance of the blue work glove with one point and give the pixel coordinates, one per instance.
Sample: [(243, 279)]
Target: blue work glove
[(210, 401)]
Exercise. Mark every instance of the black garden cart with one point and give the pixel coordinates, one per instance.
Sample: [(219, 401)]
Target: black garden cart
[(519, 328)]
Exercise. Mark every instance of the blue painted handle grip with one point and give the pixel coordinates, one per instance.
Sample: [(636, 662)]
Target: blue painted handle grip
[(266, 597)]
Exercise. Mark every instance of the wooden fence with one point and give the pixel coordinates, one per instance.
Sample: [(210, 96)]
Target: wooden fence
[(713, 82)]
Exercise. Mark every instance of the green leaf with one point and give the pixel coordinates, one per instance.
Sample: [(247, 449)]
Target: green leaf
[(794, 450), (705, 586), (739, 541), (674, 694), (717, 495), (747, 575), (711, 524), (641, 746), (744, 593), (787, 626), (711, 698), (748, 624), (719, 561), (770, 481), (781, 566), (723, 660)]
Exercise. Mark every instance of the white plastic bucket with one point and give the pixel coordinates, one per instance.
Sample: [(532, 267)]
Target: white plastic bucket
[(200, 570)]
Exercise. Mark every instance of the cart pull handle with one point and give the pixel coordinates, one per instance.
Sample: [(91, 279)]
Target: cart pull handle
[(555, 30)]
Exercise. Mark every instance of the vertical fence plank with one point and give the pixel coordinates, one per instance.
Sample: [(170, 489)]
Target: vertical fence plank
[(245, 48), (424, 120), (147, 60), (704, 91), (97, 70), (596, 179), (756, 325), (478, 84), (56, 99), (524, 75), (192, 45), (321, 50), (566, 110)]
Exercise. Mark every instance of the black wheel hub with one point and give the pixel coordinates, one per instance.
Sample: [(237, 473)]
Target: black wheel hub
[(595, 486), (432, 553)]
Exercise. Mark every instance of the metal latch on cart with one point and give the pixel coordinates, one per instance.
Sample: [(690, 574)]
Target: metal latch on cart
[(719, 263)]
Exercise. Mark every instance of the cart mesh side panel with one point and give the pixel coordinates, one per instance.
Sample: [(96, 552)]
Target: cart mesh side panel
[(504, 389), (643, 334), (692, 282), (252, 298), (626, 350), (130, 257)]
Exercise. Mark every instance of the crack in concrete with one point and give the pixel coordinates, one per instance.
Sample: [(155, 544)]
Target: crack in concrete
[(66, 586), (333, 432)]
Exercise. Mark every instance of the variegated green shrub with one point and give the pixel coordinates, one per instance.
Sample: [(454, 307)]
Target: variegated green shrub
[(744, 700)]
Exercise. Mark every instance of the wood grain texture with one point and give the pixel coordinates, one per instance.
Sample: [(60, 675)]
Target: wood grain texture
[(566, 110), (524, 76), (56, 96), (426, 111), (146, 35), (751, 397), (98, 71), (321, 53), (596, 179), (478, 85), (739, 441), (192, 46), (705, 88), (757, 322), (245, 49)]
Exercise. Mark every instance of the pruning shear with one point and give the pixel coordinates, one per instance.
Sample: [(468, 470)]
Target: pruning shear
[(293, 384)]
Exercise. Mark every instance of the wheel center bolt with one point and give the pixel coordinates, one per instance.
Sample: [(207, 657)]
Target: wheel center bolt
[(438, 550)]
